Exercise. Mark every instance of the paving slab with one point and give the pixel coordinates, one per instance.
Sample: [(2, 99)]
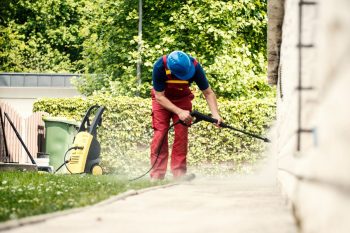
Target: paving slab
[(231, 204)]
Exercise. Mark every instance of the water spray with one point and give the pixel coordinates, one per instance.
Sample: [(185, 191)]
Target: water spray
[(198, 117)]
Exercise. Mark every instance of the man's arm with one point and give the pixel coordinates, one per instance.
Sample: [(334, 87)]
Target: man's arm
[(202, 83), (184, 115), (212, 103)]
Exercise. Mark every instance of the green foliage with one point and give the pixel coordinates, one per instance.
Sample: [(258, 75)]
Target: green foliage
[(208, 30), (237, 77), (90, 83), (100, 37), (41, 36), (25, 194), (126, 130)]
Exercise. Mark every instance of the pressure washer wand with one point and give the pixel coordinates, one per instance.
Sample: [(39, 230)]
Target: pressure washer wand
[(202, 117)]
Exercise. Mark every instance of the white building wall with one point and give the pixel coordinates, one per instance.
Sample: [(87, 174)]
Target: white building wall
[(23, 98), (316, 178)]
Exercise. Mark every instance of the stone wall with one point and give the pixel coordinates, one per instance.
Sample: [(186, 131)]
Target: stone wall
[(314, 103)]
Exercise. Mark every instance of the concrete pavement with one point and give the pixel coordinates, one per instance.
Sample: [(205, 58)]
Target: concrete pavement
[(232, 204)]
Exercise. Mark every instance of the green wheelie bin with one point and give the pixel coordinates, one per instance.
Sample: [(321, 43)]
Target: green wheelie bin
[(59, 136)]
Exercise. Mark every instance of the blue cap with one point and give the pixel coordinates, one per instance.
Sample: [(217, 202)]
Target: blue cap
[(180, 65)]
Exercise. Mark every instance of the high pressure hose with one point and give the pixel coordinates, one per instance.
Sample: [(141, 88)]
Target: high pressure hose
[(158, 153), (202, 117), (199, 117), (67, 161)]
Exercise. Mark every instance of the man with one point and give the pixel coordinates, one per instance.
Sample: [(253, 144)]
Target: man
[(171, 99)]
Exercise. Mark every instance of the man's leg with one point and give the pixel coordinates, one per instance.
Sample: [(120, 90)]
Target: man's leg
[(179, 151), (160, 124), (180, 146)]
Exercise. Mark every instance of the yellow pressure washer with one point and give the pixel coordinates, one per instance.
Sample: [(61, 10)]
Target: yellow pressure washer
[(85, 155)]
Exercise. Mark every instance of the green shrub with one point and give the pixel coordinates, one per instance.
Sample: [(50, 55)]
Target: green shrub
[(126, 130)]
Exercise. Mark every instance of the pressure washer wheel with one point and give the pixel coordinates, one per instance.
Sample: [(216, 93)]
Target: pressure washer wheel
[(96, 170)]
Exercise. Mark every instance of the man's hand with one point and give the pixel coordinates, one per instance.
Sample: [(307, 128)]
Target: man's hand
[(185, 116), (217, 117)]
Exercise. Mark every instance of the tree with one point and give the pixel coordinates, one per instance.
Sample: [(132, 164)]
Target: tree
[(41, 35), (100, 37)]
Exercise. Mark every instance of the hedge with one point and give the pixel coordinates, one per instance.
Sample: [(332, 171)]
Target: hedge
[(126, 131)]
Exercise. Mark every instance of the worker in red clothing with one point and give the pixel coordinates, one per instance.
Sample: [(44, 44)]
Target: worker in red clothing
[(171, 99)]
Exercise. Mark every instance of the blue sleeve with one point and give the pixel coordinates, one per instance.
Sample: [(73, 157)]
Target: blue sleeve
[(200, 78), (159, 76)]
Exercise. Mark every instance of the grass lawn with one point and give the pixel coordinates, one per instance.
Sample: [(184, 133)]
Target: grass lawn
[(25, 194)]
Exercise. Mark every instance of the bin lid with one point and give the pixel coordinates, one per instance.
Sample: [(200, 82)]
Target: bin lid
[(61, 120)]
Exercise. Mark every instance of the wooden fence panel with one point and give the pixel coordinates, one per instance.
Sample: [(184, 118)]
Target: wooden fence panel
[(35, 133), (3, 144), (14, 146)]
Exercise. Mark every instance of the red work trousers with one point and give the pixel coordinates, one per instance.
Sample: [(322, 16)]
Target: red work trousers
[(160, 123)]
